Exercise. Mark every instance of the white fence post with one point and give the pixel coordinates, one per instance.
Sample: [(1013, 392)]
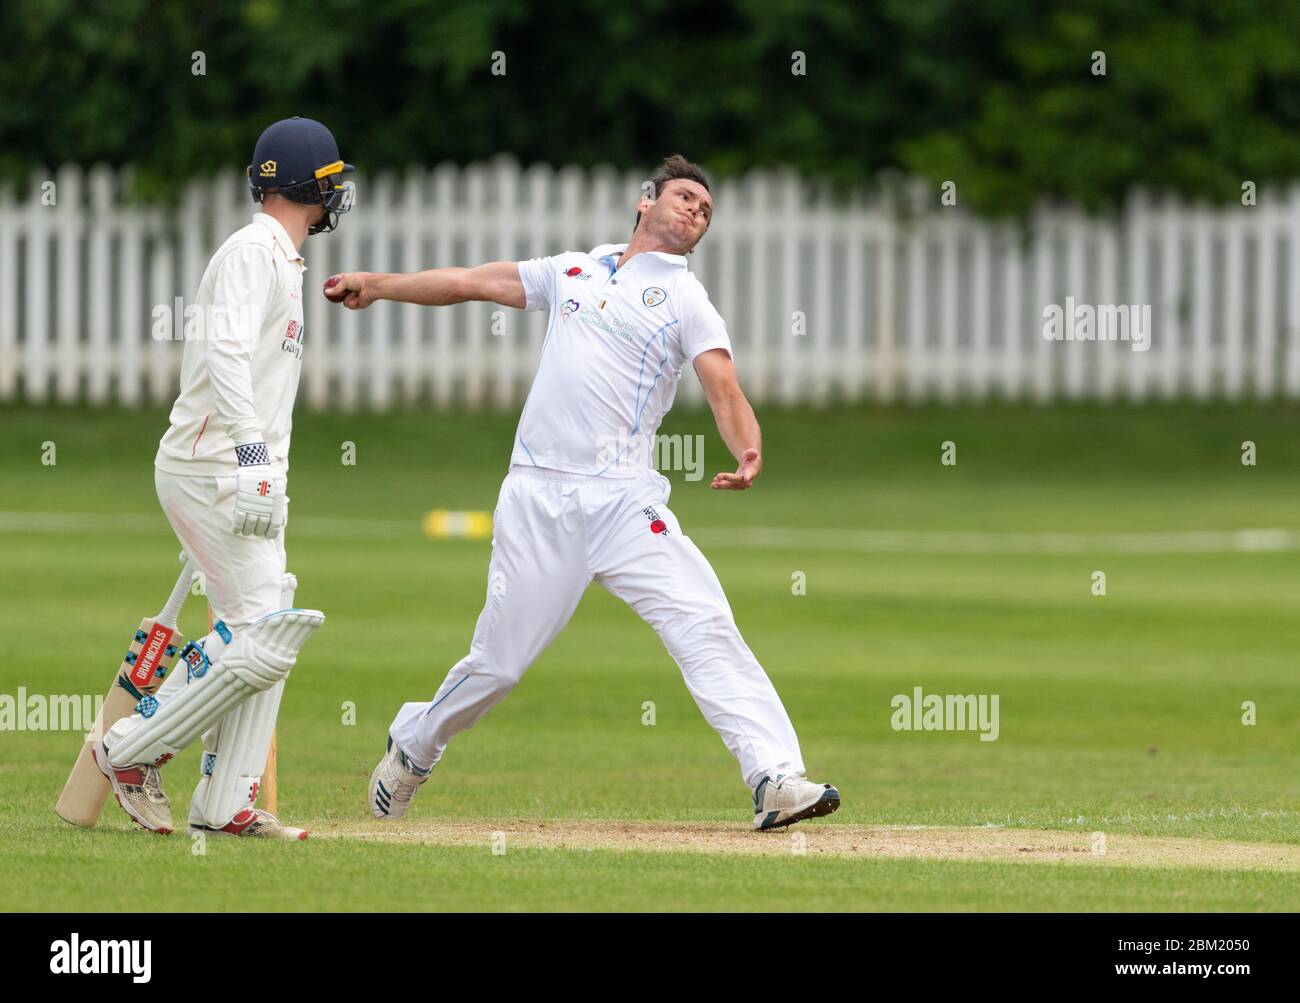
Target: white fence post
[(1108, 291), (68, 212), (1234, 326), (757, 368), (979, 319), (1044, 294), (1076, 285), (914, 326), (9, 233), (501, 346), (1202, 249), (948, 361), (1291, 363), (1010, 366), (1265, 291), (885, 359), (793, 295), (373, 356), (36, 350), (1138, 288), (818, 358), (851, 364)]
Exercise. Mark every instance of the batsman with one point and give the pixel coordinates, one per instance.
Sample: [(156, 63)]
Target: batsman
[(221, 474)]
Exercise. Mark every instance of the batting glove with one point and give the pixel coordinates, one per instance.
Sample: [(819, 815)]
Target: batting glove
[(259, 493)]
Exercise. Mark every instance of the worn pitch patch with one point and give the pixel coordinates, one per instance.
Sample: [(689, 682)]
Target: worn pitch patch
[(1036, 846)]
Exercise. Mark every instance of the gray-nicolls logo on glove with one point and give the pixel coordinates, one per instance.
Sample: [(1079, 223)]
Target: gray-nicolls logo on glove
[(259, 493)]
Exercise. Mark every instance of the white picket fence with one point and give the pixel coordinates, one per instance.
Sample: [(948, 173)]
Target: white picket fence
[(928, 304)]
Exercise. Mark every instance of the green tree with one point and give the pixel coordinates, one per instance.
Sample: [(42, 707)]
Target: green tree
[(997, 96)]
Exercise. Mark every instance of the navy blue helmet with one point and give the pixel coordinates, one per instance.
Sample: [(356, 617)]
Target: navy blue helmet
[(299, 158)]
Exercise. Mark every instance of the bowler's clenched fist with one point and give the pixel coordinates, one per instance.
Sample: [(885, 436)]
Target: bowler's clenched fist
[(353, 289)]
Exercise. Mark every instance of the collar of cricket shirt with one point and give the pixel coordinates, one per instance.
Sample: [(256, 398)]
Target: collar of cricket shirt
[(611, 252), (281, 236)]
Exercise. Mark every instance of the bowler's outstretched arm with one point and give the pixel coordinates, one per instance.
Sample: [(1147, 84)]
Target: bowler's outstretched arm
[(494, 282)]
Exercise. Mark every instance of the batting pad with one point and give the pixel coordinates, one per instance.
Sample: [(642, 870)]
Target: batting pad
[(234, 756), (236, 747), (257, 659)]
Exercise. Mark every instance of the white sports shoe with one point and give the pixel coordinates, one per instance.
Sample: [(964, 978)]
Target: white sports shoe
[(785, 798), (252, 822), (394, 783), (138, 790)]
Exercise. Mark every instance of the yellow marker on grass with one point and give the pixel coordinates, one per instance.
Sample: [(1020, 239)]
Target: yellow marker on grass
[(448, 524)]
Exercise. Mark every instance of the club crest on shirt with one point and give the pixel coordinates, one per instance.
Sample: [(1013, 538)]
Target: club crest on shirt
[(293, 339), (653, 296), (568, 308)]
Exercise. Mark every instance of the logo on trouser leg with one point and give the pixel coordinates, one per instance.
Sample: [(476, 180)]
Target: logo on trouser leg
[(657, 525)]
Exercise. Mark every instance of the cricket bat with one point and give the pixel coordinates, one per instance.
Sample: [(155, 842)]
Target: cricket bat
[(142, 671)]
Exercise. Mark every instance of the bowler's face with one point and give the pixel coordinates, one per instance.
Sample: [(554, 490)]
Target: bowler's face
[(682, 213)]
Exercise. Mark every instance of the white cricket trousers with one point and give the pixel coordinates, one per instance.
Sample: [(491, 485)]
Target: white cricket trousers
[(242, 574), (553, 533)]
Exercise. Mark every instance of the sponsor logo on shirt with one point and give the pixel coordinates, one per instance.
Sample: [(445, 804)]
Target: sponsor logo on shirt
[(568, 308), (577, 273), (612, 325), (657, 525), (293, 339), (653, 296)]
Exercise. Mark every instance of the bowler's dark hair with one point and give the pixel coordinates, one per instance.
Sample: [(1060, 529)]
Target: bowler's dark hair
[(673, 168)]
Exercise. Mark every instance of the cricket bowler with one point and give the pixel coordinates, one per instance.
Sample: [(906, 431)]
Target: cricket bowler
[(221, 474), (581, 500)]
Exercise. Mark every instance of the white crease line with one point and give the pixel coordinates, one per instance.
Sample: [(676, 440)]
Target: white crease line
[(942, 542), (752, 538)]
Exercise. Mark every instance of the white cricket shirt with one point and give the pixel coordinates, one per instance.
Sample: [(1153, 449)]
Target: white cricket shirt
[(615, 347), (243, 355)]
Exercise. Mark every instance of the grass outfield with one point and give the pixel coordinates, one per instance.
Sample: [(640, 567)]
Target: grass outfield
[(1119, 714)]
